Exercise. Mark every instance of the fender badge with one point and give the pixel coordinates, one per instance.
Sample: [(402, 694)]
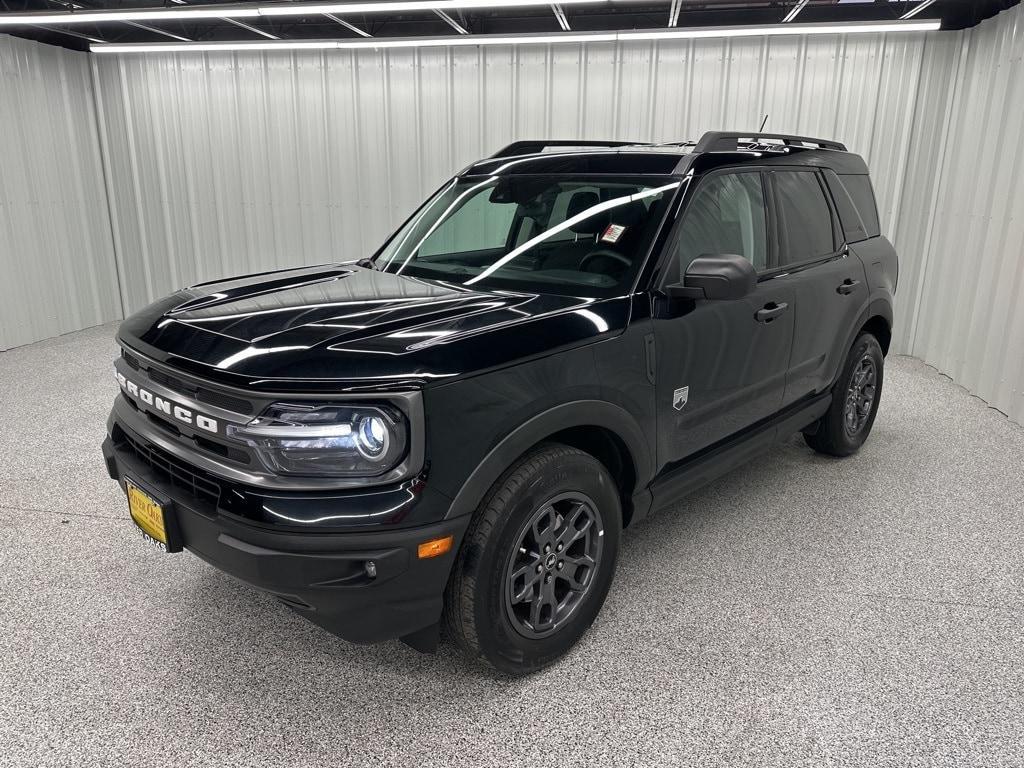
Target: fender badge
[(679, 398)]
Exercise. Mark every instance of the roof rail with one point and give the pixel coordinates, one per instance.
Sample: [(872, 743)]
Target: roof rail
[(728, 141), (533, 147)]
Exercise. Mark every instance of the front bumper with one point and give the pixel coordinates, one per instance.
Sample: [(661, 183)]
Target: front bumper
[(323, 576)]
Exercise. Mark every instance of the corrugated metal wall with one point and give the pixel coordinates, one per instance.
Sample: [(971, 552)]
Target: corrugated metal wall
[(56, 255), (967, 316), (220, 164), (229, 163)]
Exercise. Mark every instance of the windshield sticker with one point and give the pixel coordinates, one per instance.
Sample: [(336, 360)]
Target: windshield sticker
[(612, 233)]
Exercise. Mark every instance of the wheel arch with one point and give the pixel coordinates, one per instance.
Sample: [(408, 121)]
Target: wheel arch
[(877, 319), (880, 328), (605, 431)]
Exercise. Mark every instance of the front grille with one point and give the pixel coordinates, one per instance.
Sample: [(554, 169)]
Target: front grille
[(208, 396), (219, 399), (177, 472), (170, 382)]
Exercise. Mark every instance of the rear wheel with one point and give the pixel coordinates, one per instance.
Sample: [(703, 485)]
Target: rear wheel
[(855, 398), (537, 561)]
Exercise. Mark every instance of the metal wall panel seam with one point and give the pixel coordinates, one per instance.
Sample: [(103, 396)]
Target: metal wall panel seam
[(908, 123), (135, 183), (953, 99), (104, 149)]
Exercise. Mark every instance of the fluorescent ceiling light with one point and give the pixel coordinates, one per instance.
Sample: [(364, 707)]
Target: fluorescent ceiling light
[(544, 39), (98, 17), (277, 9)]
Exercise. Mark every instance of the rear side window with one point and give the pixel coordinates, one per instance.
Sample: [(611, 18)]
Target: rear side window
[(859, 188), (805, 219), (854, 227)]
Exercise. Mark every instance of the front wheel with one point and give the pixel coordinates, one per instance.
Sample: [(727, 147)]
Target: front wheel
[(855, 398), (537, 561)]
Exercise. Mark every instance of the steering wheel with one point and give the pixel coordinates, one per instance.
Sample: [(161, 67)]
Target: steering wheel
[(614, 255)]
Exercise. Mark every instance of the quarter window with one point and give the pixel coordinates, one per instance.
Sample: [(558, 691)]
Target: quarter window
[(853, 225), (725, 215), (805, 219), (863, 197)]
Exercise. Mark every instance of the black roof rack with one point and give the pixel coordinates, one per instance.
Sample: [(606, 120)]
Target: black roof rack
[(729, 141), (533, 147)]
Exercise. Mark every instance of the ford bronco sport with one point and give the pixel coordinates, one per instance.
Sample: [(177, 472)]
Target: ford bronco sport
[(454, 432)]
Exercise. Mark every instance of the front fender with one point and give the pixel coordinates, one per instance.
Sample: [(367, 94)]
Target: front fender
[(580, 413)]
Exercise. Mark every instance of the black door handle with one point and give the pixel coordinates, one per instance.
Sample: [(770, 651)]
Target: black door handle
[(770, 312), (846, 287)]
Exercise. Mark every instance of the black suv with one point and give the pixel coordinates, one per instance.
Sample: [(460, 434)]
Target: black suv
[(564, 337)]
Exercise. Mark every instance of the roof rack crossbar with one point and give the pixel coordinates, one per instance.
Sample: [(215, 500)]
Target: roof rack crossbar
[(533, 147), (726, 141)]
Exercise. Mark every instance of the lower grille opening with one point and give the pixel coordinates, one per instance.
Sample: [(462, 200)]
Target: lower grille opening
[(175, 471)]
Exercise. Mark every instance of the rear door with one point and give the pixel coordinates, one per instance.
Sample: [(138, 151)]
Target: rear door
[(829, 286), (720, 365)]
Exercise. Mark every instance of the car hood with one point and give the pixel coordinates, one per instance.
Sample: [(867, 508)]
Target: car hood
[(358, 328)]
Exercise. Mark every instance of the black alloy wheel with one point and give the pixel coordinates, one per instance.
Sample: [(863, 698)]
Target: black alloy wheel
[(553, 564), (860, 395)]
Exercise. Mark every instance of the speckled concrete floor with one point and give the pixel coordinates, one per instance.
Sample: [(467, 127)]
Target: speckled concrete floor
[(801, 611)]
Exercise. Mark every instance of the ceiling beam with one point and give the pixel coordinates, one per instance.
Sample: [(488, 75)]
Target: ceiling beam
[(560, 17), (79, 35), (251, 28), (156, 31), (673, 12), (347, 25), (801, 4), (451, 22), (917, 9)]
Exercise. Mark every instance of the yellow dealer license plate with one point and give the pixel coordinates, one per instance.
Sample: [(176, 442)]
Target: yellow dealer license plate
[(152, 517)]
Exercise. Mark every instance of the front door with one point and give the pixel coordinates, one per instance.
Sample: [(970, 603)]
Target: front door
[(721, 365)]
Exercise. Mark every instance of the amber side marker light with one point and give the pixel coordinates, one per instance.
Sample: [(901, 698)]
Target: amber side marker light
[(436, 547)]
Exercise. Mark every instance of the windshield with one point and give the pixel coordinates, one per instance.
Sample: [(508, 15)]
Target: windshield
[(544, 234)]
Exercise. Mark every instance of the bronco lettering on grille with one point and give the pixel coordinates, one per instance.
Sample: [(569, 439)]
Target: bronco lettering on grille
[(157, 403)]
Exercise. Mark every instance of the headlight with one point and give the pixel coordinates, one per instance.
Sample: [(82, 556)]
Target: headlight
[(326, 440)]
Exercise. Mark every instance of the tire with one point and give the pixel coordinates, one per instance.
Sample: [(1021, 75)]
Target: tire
[(839, 433), (482, 615)]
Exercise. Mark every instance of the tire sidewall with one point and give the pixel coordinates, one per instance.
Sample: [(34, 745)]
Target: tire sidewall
[(865, 344), (499, 641)]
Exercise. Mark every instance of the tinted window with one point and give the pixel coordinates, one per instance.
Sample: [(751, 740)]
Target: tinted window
[(805, 220), (544, 234), (725, 215), (863, 197), (477, 225), (854, 229)]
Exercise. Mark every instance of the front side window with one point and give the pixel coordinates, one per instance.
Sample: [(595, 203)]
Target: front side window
[(726, 215), (544, 234)]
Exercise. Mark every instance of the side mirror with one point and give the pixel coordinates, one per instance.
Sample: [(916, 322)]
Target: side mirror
[(720, 276)]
